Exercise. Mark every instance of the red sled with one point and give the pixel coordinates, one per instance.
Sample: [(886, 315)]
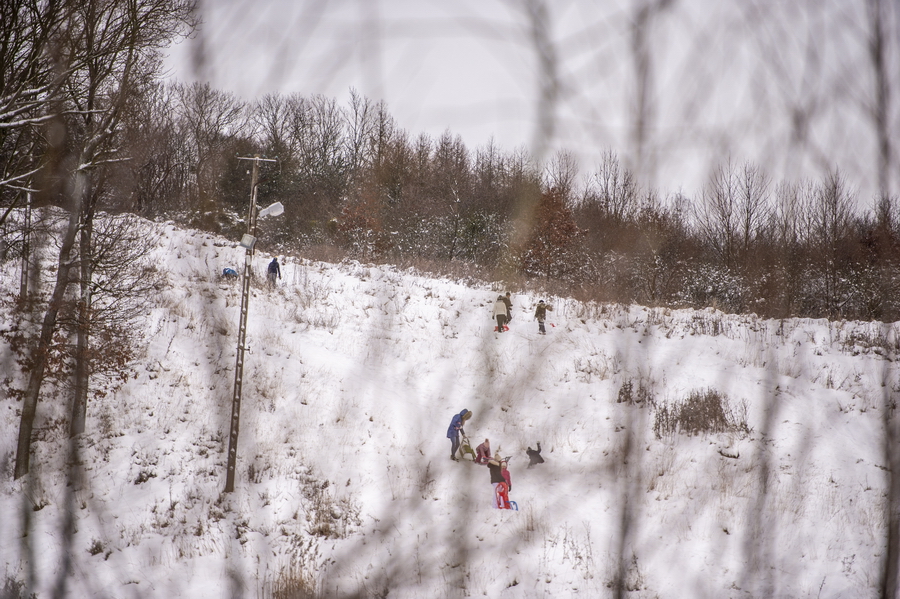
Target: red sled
[(503, 498), (505, 328)]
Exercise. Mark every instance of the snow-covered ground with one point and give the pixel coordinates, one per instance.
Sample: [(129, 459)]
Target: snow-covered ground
[(344, 476)]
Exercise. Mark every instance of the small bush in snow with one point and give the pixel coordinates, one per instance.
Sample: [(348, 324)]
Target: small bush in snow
[(631, 580), (14, 589), (328, 516), (719, 287), (299, 581), (629, 395), (597, 365), (144, 476), (703, 411)]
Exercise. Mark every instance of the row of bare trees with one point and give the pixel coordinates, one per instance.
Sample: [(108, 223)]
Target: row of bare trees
[(354, 183), (352, 180)]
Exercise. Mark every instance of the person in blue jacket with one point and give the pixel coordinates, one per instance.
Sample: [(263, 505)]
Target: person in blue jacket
[(456, 427), (274, 271)]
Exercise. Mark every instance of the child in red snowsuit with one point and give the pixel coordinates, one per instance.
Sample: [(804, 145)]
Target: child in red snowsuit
[(506, 476), (496, 478)]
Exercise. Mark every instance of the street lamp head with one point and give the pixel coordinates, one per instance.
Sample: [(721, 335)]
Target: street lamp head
[(275, 209), (248, 241)]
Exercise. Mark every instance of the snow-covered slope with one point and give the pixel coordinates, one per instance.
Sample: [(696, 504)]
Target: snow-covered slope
[(344, 477)]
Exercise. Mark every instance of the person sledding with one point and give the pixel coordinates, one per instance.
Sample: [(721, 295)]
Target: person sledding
[(456, 428)]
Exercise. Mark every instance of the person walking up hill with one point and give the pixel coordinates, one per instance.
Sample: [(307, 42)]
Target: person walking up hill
[(274, 271), (540, 314), (500, 313), (507, 299)]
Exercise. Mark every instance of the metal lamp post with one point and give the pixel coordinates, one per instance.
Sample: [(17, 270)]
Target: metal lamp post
[(249, 242)]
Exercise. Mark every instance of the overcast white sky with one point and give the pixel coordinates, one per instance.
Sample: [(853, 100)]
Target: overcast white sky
[(724, 78), (439, 65)]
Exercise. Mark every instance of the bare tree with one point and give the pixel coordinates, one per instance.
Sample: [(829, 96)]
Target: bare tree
[(360, 128), (269, 115), (121, 286), (830, 214), (36, 60), (114, 41), (155, 177), (321, 147), (561, 173), (733, 210), (208, 120), (717, 214), (753, 206), (788, 233), (613, 188)]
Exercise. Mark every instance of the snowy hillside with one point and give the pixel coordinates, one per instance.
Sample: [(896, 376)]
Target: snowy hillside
[(344, 477)]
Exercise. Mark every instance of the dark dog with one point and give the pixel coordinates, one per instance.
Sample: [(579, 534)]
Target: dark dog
[(534, 457)]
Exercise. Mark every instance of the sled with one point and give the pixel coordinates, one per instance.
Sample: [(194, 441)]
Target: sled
[(505, 328), (465, 449)]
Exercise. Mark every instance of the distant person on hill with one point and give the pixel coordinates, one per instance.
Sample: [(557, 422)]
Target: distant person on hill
[(274, 271), (534, 456), (457, 425), (483, 452), (540, 314), (508, 301), (500, 313)]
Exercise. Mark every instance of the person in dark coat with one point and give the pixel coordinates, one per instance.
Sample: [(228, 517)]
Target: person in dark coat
[(274, 271), (456, 427), (508, 301), (534, 457), (540, 314)]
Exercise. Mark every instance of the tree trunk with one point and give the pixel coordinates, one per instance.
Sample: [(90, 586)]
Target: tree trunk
[(26, 251), (36, 378), (83, 327)]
